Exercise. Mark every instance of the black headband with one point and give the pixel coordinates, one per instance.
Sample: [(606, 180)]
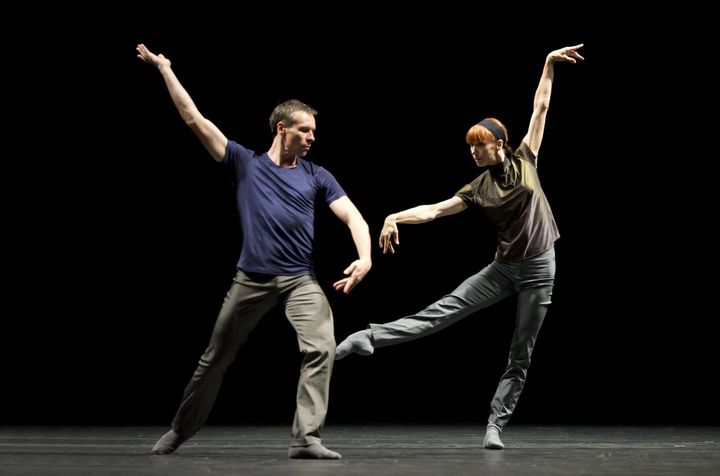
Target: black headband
[(494, 129)]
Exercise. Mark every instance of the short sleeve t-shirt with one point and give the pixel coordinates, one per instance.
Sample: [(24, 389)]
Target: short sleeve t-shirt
[(276, 206), (510, 195)]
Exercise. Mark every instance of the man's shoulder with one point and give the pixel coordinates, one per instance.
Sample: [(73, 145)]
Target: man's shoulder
[(241, 149), (312, 168)]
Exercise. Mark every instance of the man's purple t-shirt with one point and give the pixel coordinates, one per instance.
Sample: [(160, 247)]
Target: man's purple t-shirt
[(277, 210)]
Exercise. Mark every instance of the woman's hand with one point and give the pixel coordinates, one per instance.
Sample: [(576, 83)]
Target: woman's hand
[(389, 234), (569, 54)]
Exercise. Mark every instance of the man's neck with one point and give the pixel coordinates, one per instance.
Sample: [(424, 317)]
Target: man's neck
[(280, 156)]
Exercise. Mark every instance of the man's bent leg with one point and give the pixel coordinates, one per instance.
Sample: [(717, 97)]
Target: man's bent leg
[(245, 304)]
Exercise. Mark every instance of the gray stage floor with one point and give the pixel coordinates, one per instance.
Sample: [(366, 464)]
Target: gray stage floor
[(366, 450)]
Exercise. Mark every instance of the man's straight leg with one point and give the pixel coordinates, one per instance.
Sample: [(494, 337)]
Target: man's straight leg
[(309, 312)]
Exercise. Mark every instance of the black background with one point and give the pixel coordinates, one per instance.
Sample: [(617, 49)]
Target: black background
[(134, 250)]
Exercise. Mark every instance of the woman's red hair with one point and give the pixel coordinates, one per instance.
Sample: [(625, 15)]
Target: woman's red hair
[(480, 134)]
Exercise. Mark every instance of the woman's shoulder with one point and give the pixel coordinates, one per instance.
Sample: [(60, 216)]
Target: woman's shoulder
[(523, 152)]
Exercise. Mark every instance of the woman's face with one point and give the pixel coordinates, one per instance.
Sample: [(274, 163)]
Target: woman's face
[(487, 153)]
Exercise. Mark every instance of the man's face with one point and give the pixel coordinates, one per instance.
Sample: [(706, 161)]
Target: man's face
[(301, 134)]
